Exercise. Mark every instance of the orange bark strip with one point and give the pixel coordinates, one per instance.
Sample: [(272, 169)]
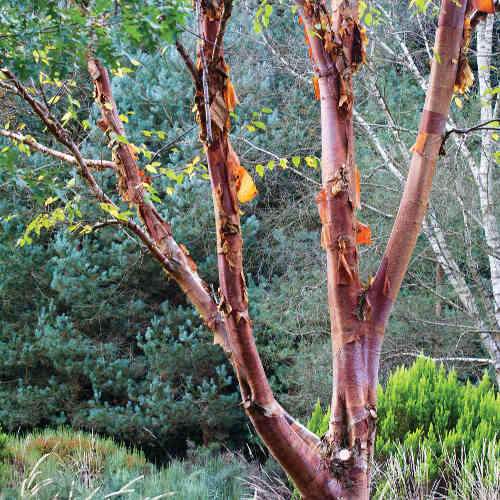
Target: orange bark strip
[(486, 6), (230, 96), (419, 145), (357, 188), (317, 93), (363, 234), (245, 186)]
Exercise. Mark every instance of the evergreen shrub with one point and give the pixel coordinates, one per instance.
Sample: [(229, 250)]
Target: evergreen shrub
[(426, 410)]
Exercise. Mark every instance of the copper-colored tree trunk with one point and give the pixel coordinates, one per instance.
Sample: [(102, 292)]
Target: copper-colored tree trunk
[(338, 466)]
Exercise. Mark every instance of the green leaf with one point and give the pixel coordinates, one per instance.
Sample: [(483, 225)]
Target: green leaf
[(50, 200), (311, 161)]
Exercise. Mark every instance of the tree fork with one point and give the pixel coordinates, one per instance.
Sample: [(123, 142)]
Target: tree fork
[(334, 41), (292, 445)]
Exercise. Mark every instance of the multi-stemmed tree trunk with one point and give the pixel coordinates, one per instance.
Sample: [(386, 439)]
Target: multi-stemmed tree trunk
[(336, 465)]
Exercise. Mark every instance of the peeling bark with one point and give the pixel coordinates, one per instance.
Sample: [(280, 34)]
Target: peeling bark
[(357, 339), (291, 444), (174, 257)]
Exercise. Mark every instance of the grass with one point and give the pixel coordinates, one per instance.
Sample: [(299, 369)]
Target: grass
[(68, 464), (406, 475), (76, 465)]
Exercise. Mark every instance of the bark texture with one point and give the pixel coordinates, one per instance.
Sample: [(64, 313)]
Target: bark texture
[(174, 257), (292, 445)]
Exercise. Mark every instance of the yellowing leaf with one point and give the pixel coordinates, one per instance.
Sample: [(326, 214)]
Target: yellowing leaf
[(50, 200), (230, 96), (458, 102), (66, 117), (123, 118), (54, 99), (311, 161), (247, 190)]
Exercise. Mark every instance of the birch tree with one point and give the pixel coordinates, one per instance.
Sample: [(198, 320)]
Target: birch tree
[(337, 465)]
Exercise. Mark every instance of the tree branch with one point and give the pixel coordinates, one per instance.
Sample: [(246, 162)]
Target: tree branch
[(413, 206), (188, 62), (479, 361), (476, 128), (34, 145), (226, 14), (175, 258), (106, 223)]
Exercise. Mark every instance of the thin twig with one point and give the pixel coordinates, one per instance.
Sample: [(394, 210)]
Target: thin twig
[(206, 94), (188, 62), (276, 157), (34, 145), (475, 128), (479, 361), (172, 143)]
